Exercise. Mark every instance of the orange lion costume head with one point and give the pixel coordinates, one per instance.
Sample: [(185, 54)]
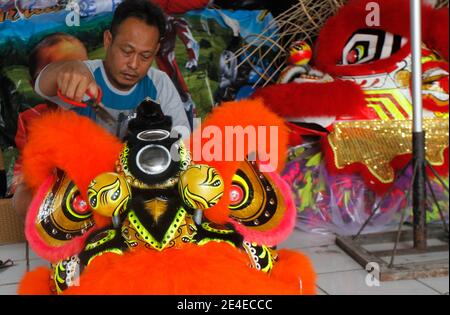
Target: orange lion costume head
[(122, 218)]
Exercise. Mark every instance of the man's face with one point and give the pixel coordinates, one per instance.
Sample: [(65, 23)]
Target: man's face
[(130, 53)]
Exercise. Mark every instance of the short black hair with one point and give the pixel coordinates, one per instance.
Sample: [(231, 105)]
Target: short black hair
[(48, 41), (144, 10)]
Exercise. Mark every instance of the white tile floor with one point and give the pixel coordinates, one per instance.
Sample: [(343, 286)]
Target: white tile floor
[(338, 274), (10, 277)]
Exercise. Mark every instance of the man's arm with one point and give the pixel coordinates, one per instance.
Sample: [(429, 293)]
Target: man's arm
[(73, 78)]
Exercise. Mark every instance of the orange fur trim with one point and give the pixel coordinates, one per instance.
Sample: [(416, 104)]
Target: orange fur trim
[(36, 282), (437, 31), (215, 268), (293, 266), (100, 221), (73, 143), (240, 114)]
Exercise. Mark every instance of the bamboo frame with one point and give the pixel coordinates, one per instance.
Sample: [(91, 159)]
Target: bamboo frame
[(302, 21)]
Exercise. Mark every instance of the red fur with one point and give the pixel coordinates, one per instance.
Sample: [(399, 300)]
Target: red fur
[(246, 113), (338, 98), (436, 31), (40, 246), (395, 17), (36, 282), (215, 268), (73, 143), (279, 233)]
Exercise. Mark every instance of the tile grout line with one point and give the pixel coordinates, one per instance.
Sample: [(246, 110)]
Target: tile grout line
[(20, 261), (31, 259), (307, 247), (429, 287), (339, 271), (324, 291), (9, 283)]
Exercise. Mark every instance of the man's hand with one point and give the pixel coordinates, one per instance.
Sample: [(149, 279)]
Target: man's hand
[(72, 78)]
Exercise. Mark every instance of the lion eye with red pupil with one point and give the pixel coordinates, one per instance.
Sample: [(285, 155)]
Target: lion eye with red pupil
[(79, 205), (352, 56), (236, 194)]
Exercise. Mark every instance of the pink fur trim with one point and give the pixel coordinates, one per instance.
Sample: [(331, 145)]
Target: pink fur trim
[(283, 230), (44, 250)]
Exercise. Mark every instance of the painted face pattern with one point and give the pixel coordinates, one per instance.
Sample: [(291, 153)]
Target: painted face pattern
[(388, 91), (108, 194)]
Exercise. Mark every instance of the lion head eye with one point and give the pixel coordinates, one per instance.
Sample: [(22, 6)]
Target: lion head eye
[(93, 201)]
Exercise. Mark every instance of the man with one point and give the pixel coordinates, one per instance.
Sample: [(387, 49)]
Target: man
[(125, 76), (55, 47)]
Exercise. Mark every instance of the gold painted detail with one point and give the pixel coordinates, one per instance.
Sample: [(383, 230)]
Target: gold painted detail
[(375, 143), (263, 206), (261, 257), (208, 227), (110, 234), (143, 235), (56, 218)]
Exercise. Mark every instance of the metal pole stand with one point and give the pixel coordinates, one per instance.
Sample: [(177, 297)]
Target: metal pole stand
[(428, 260), (418, 266), (419, 195)]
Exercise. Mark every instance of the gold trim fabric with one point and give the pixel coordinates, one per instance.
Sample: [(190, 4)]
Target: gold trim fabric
[(375, 143)]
